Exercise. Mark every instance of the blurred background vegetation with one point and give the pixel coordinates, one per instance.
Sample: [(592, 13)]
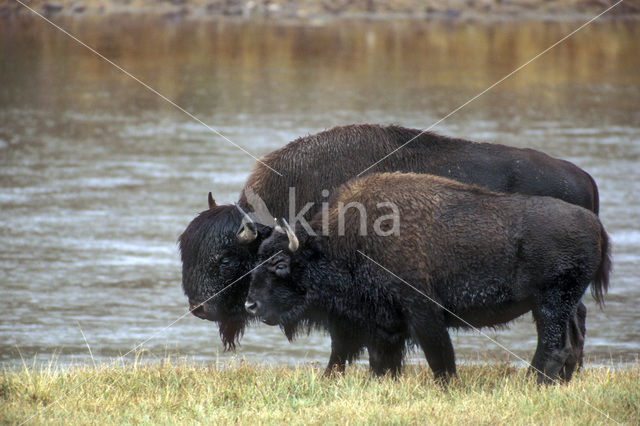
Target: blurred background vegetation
[(321, 9)]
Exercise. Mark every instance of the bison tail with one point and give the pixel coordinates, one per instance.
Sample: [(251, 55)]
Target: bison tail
[(596, 196), (600, 284)]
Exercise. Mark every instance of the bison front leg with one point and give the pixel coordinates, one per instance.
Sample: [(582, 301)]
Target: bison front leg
[(337, 361), (344, 348), (434, 339), (386, 358)]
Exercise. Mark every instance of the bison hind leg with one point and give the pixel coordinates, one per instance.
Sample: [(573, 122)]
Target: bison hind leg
[(560, 323), (552, 367), (580, 332), (574, 341)]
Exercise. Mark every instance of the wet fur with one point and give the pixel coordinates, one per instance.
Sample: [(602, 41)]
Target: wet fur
[(486, 257), (328, 159)]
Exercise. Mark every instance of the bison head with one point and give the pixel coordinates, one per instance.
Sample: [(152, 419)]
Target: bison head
[(278, 291), (217, 255)]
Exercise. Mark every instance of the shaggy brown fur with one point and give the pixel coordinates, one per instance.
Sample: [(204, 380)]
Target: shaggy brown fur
[(464, 257), (212, 258)]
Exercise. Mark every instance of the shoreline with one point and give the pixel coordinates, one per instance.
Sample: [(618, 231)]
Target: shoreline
[(312, 11)]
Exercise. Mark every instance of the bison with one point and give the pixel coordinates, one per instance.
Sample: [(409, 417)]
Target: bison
[(216, 259), (462, 257)]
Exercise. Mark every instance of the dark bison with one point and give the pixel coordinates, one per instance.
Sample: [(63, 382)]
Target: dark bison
[(461, 256), (215, 261)]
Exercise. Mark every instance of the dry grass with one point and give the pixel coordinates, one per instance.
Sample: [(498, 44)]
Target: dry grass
[(183, 392)]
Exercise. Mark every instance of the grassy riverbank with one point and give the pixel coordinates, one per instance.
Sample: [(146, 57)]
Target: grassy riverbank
[(240, 393)]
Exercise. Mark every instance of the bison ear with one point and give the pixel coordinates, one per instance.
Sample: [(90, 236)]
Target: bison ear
[(264, 231), (212, 202)]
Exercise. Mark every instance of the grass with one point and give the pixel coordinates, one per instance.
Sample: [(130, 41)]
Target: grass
[(183, 392)]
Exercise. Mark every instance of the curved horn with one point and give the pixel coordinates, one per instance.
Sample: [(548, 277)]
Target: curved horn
[(293, 240), (212, 202), (247, 232)]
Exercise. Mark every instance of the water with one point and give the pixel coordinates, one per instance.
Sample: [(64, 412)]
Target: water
[(99, 176)]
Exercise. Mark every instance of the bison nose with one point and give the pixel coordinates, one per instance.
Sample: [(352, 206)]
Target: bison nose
[(251, 307), (197, 309)]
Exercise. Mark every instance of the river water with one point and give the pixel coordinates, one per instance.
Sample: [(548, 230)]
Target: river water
[(99, 176)]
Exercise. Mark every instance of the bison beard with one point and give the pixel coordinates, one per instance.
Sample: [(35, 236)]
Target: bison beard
[(328, 159), (231, 332), (486, 257)]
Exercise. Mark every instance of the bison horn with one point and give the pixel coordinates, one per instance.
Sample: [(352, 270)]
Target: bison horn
[(247, 232), (293, 240), (212, 202)]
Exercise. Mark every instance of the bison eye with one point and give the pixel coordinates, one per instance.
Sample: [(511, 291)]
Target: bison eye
[(281, 269), (225, 261)]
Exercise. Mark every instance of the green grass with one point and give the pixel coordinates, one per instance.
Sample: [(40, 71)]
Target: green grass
[(183, 392)]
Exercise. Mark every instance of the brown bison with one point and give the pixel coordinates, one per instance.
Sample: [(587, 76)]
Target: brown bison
[(461, 256), (215, 261)]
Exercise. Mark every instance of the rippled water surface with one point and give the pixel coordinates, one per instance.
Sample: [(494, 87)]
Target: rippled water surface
[(99, 176)]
